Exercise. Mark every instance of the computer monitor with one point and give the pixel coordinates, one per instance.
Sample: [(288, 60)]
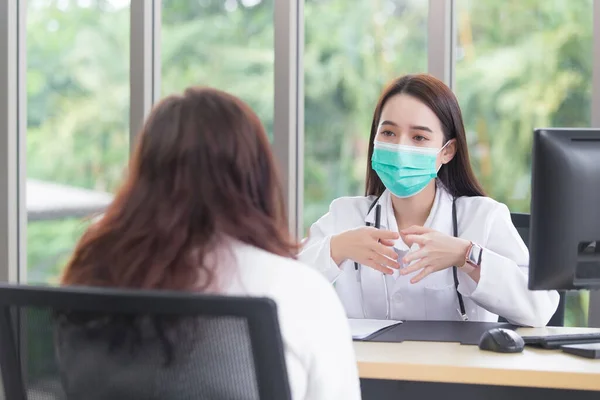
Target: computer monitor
[(565, 210)]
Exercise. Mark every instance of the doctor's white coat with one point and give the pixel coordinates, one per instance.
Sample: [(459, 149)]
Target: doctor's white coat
[(502, 288)]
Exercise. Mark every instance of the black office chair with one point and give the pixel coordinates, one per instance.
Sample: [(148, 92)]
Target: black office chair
[(521, 222), (92, 343)]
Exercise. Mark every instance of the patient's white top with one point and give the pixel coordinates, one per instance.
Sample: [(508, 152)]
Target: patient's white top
[(316, 335)]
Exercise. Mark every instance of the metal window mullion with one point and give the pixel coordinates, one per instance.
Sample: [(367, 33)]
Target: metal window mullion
[(594, 307), (288, 131), (144, 65), (13, 208), (440, 40)]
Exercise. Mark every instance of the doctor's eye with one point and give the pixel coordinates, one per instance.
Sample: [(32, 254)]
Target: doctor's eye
[(419, 138), (387, 133)]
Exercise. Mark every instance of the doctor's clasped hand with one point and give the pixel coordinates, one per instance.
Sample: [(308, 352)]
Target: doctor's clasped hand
[(437, 251), (367, 246)]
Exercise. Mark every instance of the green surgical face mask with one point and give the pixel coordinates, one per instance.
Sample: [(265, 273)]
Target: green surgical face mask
[(404, 170)]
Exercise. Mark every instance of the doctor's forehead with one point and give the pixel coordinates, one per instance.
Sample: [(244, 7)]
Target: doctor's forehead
[(405, 110)]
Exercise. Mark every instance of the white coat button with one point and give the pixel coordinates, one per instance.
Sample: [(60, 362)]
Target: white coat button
[(397, 297)]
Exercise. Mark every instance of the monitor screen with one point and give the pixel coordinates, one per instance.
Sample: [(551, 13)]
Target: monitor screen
[(565, 209)]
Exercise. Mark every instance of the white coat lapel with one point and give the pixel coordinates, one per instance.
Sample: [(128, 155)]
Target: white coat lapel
[(373, 280), (386, 205), (440, 217)]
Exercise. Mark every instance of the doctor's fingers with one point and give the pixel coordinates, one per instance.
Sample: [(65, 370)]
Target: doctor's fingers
[(422, 263), (416, 230), (373, 264), (415, 255), (426, 271), (386, 251), (418, 239), (383, 260), (385, 242), (382, 234)]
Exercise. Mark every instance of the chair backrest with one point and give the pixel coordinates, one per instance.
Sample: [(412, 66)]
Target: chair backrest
[(92, 343), (521, 222)]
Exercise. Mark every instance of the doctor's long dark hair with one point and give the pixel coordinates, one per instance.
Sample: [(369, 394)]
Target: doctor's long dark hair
[(456, 176), (202, 171)]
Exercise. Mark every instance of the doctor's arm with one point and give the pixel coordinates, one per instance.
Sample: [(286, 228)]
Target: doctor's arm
[(328, 247), (316, 248), (503, 277)]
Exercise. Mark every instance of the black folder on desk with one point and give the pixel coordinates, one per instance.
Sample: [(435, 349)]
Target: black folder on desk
[(463, 332)]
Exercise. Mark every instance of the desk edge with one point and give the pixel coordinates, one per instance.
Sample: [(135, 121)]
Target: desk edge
[(480, 376)]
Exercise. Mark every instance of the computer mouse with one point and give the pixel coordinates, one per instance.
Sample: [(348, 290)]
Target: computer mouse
[(501, 340)]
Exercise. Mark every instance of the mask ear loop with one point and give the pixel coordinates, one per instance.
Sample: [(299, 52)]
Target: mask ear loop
[(443, 147)]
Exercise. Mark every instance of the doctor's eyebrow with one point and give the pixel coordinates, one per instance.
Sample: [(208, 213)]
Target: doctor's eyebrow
[(420, 128), (412, 127), (386, 122)]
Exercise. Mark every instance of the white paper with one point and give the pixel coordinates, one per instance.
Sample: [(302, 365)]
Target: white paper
[(362, 328)]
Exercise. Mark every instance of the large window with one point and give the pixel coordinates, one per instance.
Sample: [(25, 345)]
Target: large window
[(522, 64), (352, 49), (77, 122), (517, 65), (225, 44)]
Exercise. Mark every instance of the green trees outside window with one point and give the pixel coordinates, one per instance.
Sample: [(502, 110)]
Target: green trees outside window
[(520, 64)]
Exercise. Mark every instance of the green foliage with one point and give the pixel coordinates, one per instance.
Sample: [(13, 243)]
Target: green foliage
[(77, 67), (202, 44), (49, 245), (352, 49), (512, 77), (521, 64)]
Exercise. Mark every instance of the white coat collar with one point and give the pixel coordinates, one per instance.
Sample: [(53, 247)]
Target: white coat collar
[(442, 204), (385, 200)]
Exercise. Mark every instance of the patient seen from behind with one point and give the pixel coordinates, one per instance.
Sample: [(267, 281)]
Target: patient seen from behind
[(200, 210)]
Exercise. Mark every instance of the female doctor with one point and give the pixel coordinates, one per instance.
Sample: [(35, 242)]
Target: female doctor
[(424, 244)]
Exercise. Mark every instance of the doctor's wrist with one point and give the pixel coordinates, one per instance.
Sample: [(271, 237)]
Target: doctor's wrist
[(462, 251), (336, 246)]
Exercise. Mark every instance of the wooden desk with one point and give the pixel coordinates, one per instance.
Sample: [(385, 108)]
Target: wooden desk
[(453, 363)]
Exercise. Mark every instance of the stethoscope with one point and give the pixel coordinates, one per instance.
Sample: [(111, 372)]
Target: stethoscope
[(462, 312)]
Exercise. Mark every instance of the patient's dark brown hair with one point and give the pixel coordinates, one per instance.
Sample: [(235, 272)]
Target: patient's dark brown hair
[(202, 169)]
